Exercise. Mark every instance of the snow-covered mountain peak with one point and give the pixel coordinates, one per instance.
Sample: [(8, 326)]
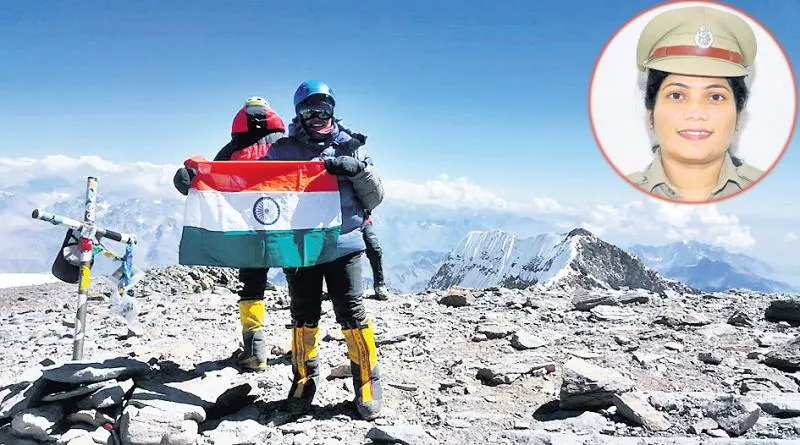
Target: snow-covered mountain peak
[(574, 259), (580, 232), (495, 257)]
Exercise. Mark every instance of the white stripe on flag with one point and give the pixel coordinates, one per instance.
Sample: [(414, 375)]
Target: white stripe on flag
[(232, 211)]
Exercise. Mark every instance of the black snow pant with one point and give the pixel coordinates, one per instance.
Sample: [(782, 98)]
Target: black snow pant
[(374, 254), (345, 289), (255, 283)]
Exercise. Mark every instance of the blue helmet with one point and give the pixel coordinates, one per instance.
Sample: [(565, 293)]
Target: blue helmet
[(310, 88)]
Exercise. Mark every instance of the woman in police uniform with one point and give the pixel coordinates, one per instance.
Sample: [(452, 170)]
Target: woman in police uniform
[(696, 60)]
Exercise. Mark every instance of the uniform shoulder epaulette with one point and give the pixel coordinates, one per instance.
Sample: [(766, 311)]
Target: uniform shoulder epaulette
[(748, 172), (637, 177)]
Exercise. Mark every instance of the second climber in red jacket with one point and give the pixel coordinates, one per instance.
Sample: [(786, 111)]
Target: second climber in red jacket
[(255, 128)]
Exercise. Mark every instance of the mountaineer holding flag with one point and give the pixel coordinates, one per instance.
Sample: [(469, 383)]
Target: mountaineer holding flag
[(315, 135), (255, 127)]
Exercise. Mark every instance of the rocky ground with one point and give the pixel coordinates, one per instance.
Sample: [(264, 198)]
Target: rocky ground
[(462, 367)]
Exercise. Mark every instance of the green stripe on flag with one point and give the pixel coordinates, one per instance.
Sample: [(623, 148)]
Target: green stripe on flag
[(257, 249)]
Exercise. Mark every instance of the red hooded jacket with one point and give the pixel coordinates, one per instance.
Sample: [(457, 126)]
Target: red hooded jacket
[(245, 124)]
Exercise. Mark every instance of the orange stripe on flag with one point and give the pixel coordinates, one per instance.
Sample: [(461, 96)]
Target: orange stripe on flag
[(261, 176)]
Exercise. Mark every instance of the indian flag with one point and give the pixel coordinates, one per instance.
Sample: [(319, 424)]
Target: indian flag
[(260, 214)]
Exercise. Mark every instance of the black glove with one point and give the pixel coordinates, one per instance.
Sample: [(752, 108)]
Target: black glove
[(183, 179), (244, 140), (360, 137), (344, 166)]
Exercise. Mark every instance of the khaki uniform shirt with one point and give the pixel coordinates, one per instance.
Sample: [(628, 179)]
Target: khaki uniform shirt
[(732, 179)]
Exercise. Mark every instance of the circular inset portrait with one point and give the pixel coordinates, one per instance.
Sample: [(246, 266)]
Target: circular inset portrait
[(692, 101)]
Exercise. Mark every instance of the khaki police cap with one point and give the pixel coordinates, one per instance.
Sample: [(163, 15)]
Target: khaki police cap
[(697, 41)]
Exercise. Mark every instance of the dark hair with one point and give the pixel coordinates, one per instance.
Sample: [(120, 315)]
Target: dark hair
[(655, 78)]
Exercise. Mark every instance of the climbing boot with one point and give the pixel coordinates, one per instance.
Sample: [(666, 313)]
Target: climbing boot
[(254, 355), (305, 368), (364, 366), (382, 292)]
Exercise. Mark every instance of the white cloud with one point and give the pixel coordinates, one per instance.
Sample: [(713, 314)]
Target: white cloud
[(791, 236), (49, 179), (725, 229), (657, 221), (461, 193), (604, 218), (675, 215), (52, 173)]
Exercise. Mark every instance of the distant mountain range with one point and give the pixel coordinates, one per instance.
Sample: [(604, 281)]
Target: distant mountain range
[(423, 245), (415, 239), (711, 268)]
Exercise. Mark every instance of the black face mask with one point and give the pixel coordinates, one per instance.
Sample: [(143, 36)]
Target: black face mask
[(256, 117)]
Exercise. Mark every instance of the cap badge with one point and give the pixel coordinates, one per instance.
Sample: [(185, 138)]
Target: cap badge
[(704, 38)]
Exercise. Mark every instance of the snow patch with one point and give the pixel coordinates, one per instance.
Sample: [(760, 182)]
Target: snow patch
[(25, 279)]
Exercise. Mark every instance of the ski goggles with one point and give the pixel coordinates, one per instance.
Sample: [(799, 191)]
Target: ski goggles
[(319, 112)]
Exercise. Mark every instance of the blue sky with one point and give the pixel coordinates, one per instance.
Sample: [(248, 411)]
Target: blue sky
[(493, 91)]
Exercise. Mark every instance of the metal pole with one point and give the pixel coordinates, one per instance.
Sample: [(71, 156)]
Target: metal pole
[(87, 235), (77, 225)]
